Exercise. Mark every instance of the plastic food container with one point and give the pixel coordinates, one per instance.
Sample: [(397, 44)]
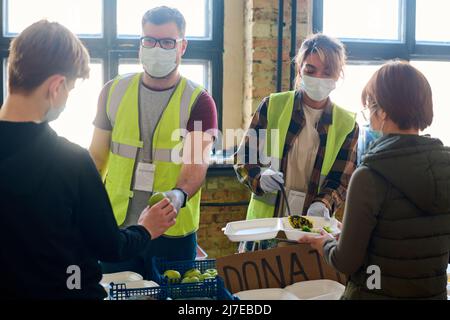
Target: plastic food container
[(141, 284), (318, 223), (253, 230), (120, 277), (266, 229), (317, 290), (266, 294)]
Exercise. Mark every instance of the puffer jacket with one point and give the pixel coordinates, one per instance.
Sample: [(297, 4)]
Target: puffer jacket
[(411, 240)]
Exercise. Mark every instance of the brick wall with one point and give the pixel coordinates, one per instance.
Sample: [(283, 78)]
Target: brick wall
[(261, 43), (218, 190)]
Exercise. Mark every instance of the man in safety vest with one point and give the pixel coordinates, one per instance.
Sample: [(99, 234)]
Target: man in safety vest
[(304, 142), (151, 128)]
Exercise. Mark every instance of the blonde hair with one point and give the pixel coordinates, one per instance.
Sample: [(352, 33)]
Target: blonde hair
[(331, 52)]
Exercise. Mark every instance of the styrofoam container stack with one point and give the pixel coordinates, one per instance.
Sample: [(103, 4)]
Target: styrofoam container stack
[(306, 290), (266, 294), (131, 279), (317, 290)]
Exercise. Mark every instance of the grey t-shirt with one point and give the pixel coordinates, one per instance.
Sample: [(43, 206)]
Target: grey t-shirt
[(152, 104)]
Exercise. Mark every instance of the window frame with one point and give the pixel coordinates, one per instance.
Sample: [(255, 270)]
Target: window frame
[(377, 50), (109, 48)]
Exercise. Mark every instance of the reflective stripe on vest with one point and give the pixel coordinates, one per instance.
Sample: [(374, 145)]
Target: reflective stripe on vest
[(279, 115), (130, 152), (123, 111)]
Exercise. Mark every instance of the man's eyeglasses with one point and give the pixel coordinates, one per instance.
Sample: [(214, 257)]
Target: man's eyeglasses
[(166, 43)]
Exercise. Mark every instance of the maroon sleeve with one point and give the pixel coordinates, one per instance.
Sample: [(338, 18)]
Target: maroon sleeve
[(205, 112), (101, 119)]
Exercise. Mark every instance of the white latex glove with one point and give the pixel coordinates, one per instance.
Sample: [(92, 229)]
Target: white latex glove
[(176, 198), (318, 209), (269, 181)]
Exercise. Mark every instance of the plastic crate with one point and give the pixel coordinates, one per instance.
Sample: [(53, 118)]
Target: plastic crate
[(120, 292), (162, 265), (209, 289)]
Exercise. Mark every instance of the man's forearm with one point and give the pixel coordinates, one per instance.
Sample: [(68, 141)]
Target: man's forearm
[(192, 177)]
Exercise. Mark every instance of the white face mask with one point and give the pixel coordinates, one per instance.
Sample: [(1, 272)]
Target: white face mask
[(53, 113), (317, 89), (158, 62)]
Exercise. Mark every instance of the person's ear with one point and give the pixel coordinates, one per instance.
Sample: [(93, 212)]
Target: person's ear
[(55, 85), (184, 45), (382, 114)]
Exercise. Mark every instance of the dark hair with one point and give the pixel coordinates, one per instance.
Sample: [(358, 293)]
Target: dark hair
[(331, 52), (162, 15), (42, 50), (403, 93)]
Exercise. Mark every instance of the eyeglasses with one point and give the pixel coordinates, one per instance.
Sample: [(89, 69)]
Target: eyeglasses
[(166, 43), (367, 112)]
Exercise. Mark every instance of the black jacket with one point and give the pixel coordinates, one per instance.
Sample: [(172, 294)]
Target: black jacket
[(54, 214), (411, 240)]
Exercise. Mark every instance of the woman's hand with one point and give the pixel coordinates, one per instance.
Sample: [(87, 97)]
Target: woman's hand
[(317, 242)]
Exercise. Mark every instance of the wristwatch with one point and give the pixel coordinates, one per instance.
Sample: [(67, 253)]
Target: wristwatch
[(185, 196)]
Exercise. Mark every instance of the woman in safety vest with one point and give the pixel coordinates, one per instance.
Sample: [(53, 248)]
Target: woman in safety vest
[(301, 141)]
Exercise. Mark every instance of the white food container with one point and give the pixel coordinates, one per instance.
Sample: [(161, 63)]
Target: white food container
[(318, 223), (120, 277), (141, 284), (253, 230), (266, 294), (265, 229), (317, 290)]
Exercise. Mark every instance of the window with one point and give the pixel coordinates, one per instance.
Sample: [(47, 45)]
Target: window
[(196, 13), (376, 20), (111, 31), (376, 31), (83, 17), (348, 90), (437, 74), (429, 21), (75, 122)]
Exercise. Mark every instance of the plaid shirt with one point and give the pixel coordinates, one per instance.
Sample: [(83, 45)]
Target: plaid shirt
[(334, 188)]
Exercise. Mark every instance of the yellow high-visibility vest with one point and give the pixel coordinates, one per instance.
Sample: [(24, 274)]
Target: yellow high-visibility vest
[(123, 112), (279, 115)]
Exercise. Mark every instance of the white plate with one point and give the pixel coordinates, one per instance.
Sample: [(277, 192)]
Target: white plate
[(317, 290), (253, 230), (266, 294), (318, 223), (120, 277)]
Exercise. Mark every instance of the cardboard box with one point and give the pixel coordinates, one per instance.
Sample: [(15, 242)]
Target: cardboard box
[(275, 268)]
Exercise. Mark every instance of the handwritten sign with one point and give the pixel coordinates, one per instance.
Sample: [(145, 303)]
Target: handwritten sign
[(275, 268)]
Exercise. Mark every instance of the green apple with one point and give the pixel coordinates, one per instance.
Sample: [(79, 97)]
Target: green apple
[(156, 198), (192, 273), (206, 276), (212, 272), (172, 275), (190, 280)]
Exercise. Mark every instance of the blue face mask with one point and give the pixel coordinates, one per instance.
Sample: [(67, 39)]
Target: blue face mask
[(371, 132), (367, 138), (374, 134)]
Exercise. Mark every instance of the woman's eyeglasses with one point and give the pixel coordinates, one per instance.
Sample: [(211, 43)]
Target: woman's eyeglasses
[(368, 111)]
